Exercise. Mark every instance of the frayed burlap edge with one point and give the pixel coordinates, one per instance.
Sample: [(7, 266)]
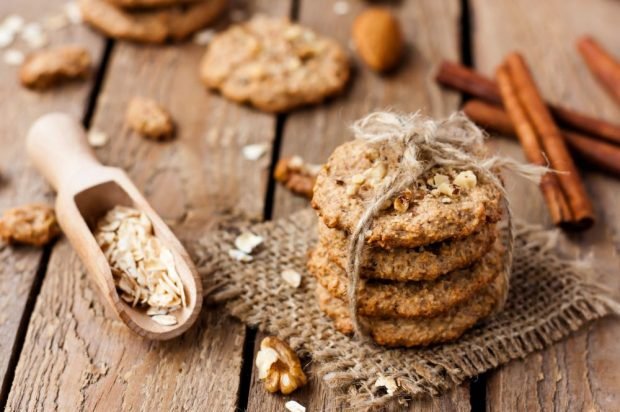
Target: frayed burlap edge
[(549, 299)]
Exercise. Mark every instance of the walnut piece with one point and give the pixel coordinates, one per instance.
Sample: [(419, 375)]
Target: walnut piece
[(279, 367), (33, 224), (149, 119), (47, 68), (403, 201), (297, 175)]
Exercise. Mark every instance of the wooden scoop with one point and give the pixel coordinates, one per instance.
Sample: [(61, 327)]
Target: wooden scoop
[(86, 191)]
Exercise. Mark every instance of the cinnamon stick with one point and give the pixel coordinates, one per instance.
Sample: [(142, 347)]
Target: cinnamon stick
[(466, 80), (551, 139), (557, 203), (602, 65), (603, 155)]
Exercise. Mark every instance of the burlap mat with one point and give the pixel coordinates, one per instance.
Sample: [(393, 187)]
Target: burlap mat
[(549, 298)]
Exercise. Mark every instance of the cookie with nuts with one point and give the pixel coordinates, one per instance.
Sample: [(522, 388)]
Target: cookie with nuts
[(409, 299), (147, 4), (444, 203), (411, 332), (421, 263), (274, 65), (151, 25)]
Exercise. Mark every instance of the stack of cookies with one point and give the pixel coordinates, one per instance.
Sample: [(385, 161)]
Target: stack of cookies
[(433, 264), (150, 21)]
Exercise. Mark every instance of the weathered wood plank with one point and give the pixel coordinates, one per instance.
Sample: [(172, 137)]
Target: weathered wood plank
[(431, 30), (19, 182), (78, 355), (582, 372)]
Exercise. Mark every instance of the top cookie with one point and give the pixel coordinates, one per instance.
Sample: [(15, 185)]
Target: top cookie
[(139, 4), (443, 203), (274, 65)]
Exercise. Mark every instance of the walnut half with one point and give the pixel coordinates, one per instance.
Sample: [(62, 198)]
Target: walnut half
[(279, 367)]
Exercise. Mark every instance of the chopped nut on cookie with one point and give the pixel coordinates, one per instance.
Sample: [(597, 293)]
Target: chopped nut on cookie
[(279, 367), (466, 180), (44, 69), (149, 119), (297, 175), (32, 224)]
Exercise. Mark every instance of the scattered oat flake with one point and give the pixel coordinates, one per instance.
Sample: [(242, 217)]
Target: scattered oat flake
[(72, 10), (34, 36), (240, 256), (294, 406), (13, 57), (203, 37), (388, 383), (56, 22), (247, 241), (14, 23), (254, 151), (6, 37), (291, 277), (165, 320), (97, 138), (341, 8)]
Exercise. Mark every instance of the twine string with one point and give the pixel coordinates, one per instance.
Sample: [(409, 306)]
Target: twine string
[(424, 144)]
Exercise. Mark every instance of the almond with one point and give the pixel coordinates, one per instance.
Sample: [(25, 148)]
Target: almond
[(378, 38)]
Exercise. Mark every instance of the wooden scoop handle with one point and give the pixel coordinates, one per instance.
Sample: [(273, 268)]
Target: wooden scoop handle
[(58, 147)]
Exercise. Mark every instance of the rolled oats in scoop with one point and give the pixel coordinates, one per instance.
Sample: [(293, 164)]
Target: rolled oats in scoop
[(143, 268)]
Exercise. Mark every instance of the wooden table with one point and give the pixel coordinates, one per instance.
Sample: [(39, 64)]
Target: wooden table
[(60, 348)]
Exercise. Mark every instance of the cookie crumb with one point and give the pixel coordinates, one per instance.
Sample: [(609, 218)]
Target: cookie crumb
[(240, 256), (247, 242), (32, 224), (149, 119), (297, 175), (47, 68), (389, 384)]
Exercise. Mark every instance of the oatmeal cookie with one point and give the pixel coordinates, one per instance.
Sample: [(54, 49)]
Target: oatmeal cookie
[(274, 65), (443, 203), (151, 26), (46, 68), (421, 263), (409, 299), (418, 331)]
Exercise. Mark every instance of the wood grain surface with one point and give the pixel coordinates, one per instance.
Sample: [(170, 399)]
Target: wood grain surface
[(581, 373), (79, 356), (431, 30), (19, 182), (72, 354)]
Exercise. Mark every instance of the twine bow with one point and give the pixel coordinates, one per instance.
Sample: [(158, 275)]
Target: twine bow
[(426, 143)]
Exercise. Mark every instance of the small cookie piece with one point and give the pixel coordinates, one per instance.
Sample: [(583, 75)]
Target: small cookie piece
[(47, 68), (33, 224), (296, 175), (149, 119), (148, 4), (434, 209), (151, 26), (409, 299), (274, 65), (417, 331), (421, 263)]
